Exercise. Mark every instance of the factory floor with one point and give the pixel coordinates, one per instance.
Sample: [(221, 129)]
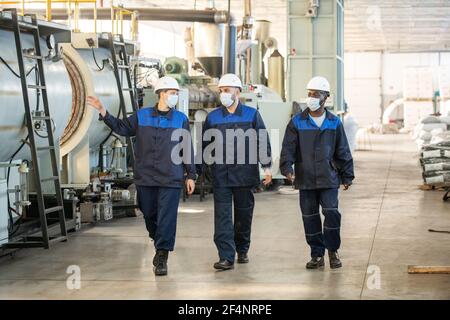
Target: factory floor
[(385, 225)]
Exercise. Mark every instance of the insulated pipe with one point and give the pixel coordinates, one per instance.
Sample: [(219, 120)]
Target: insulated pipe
[(230, 49), (146, 14), (229, 59)]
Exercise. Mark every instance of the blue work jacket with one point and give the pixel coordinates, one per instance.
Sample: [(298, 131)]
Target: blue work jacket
[(154, 146), (238, 173), (321, 156)]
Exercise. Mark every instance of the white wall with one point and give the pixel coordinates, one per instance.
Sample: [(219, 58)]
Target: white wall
[(362, 86), (374, 79), (162, 39)]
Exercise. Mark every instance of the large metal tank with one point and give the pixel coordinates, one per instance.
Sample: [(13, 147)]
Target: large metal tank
[(209, 47), (69, 81), (85, 131), (86, 79), (276, 73), (12, 119)]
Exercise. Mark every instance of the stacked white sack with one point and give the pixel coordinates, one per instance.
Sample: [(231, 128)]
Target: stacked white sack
[(433, 136)]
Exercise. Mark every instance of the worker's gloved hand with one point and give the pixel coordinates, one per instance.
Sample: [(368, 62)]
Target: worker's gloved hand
[(95, 102), (190, 186), (346, 186)]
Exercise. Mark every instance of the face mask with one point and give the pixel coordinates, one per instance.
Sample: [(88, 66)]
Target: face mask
[(172, 100), (226, 99), (313, 103)]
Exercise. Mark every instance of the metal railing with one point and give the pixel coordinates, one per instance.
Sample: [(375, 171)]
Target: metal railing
[(71, 5), (117, 15)]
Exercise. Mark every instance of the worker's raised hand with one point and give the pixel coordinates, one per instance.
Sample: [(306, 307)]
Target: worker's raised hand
[(190, 186), (95, 102)]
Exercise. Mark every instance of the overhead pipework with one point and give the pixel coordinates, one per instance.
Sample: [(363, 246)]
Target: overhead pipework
[(79, 64), (72, 7), (145, 14), (75, 65)]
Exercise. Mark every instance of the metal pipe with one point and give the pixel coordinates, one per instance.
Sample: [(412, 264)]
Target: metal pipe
[(230, 49), (247, 8), (229, 59), (49, 11), (146, 14), (135, 26)]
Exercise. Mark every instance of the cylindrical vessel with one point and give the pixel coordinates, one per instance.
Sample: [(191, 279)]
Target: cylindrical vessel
[(69, 81), (276, 73), (87, 79), (262, 30), (210, 56), (12, 119)]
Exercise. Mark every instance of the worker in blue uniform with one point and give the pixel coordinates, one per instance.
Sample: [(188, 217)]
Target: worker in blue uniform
[(158, 178), (316, 144), (235, 172)]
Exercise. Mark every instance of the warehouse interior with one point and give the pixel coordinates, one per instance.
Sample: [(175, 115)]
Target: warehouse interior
[(79, 233)]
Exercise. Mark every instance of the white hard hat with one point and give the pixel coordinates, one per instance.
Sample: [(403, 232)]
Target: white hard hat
[(166, 83), (318, 83), (230, 80)]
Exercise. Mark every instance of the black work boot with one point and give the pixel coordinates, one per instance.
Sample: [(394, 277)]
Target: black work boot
[(335, 262), (224, 265), (315, 263), (242, 257), (155, 259), (160, 262)]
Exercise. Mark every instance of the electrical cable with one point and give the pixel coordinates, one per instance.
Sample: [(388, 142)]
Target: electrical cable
[(29, 71), (11, 69), (113, 155), (8, 66), (12, 223), (149, 72), (95, 60), (10, 228)]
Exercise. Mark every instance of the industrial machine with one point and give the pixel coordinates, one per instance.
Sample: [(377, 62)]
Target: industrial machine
[(89, 167), (263, 89), (90, 157), (60, 165)]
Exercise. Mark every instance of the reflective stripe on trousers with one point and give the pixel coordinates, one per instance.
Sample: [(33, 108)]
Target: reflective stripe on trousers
[(319, 238), (160, 208), (228, 237)]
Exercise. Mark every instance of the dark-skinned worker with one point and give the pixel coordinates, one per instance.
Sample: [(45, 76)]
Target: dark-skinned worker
[(233, 180), (316, 144), (158, 178)]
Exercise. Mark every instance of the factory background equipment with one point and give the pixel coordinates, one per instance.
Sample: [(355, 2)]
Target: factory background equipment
[(315, 46), (73, 70), (94, 167)]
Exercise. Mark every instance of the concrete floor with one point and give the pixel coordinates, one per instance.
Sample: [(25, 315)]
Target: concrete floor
[(385, 223)]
